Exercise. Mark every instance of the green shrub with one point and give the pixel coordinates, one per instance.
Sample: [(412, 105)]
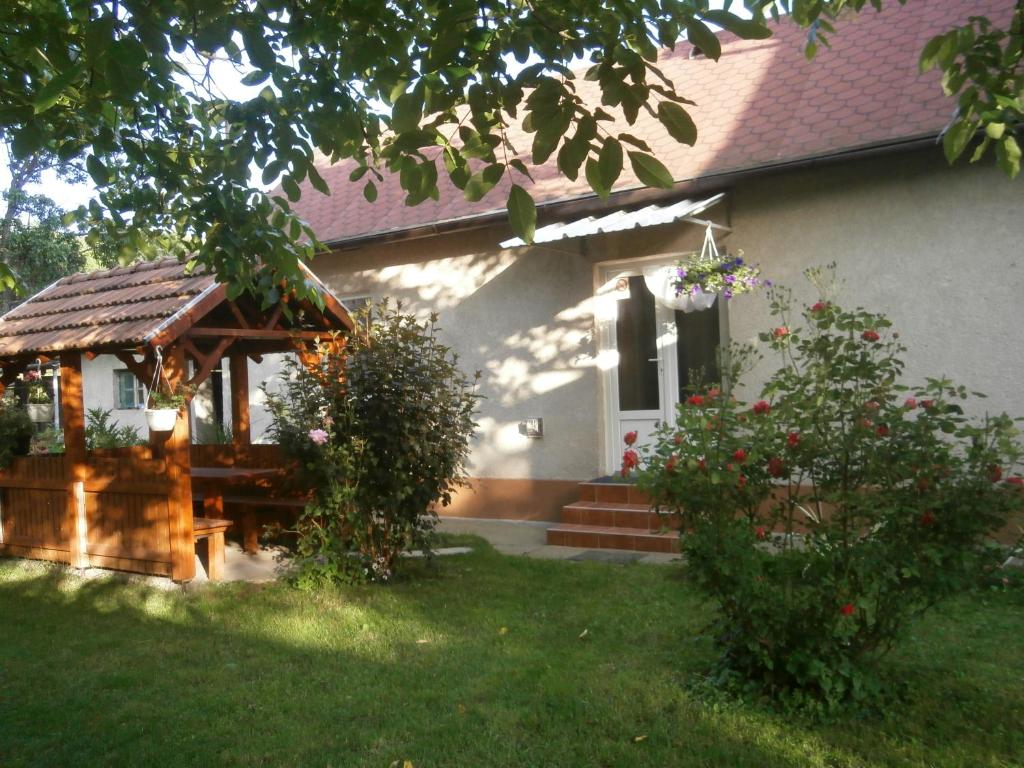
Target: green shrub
[(16, 430), (381, 433), (830, 512), (101, 431)]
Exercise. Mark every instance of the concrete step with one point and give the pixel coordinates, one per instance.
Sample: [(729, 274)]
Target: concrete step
[(617, 515), (611, 537)]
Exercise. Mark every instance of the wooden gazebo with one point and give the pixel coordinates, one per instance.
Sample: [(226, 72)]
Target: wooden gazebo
[(132, 509)]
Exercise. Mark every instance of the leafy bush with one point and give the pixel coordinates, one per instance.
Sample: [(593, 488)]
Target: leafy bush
[(47, 442), (101, 431), (16, 430), (827, 514), (381, 431)]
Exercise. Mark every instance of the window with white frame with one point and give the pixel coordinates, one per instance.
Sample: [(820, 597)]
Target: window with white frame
[(129, 393)]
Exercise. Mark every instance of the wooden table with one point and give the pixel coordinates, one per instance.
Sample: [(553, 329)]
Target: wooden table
[(211, 482), (213, 531)]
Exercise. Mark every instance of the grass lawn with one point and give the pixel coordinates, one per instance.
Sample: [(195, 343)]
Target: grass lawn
[(484, 661)]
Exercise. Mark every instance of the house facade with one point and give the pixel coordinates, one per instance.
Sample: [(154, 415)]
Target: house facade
[(798, 164)]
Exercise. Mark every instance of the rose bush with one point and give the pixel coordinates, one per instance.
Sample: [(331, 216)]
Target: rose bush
[(836, 508), (380, 428)]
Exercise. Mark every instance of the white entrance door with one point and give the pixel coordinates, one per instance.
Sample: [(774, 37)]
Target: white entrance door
[(652, 353)]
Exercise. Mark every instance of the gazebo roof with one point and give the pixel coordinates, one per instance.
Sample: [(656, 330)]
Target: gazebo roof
[(126, 307)]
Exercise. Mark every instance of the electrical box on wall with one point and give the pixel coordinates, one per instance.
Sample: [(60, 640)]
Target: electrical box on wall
[(532, 427)]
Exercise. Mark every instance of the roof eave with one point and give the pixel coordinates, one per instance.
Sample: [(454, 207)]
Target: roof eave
[(636, 195)]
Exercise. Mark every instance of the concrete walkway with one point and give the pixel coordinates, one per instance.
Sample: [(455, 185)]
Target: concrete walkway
[(521, 537)]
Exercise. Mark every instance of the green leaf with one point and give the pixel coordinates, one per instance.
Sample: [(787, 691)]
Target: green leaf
[(748, 29), (522, 213), (609, 163), (593, 173), (995, 130), (650, 170), (291, 188), (407, 111), (255, 77), (317, 180), (698, 33), (1008, 155), (956, 138), (677, 122), (370, 191), (50, 93), (99, 172), (478, 185)]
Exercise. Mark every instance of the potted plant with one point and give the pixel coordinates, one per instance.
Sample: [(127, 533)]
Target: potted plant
[(164, 408), (698, 282), (40, 401)]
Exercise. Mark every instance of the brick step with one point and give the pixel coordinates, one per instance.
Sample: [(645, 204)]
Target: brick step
[(608, 537), (615, 493), (610, 514)]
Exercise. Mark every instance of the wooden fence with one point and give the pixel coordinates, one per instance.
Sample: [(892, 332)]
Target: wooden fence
[(119, 513)]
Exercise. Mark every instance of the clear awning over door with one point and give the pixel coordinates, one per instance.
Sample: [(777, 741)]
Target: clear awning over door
[(618, 221)]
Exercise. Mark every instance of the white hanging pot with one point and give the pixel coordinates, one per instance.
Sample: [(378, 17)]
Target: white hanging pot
[(41, 413), (161, 419), (659, 281)]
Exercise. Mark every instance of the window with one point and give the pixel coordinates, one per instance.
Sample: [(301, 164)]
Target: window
[(128, 391), (698, 336)]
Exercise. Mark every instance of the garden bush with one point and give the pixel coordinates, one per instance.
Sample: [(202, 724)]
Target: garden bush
[(102, 431), (16, 430), (380, 428), (838, 506)]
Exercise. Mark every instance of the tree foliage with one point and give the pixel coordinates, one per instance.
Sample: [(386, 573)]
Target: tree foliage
[(421, 88)]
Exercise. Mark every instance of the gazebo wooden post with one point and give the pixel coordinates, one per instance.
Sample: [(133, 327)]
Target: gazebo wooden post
[(241, 438), (75, 456), (177, 453)]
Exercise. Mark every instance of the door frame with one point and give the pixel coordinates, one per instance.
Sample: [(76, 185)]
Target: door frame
[(606, 276)]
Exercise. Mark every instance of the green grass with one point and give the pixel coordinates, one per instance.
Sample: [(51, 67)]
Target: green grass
[(479, 662)]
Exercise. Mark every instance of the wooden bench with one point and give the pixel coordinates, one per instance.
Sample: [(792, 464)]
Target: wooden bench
[(212, 529)]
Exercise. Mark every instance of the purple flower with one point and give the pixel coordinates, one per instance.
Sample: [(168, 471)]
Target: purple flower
[(730, 279), (318, 436), (727, 293)]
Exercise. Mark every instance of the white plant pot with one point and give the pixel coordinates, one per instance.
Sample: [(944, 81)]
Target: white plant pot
[(161, 419), (659, 282), (41, 413)]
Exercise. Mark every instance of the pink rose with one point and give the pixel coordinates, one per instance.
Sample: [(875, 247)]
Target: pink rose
[(318, 436)]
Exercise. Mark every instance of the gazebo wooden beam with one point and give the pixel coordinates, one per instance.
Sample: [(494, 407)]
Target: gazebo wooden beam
[(255, 334), (75, 456), (206, 362), (177, 452), (241, 436)]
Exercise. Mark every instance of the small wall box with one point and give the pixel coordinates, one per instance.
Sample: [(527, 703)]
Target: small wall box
[(532, 428)]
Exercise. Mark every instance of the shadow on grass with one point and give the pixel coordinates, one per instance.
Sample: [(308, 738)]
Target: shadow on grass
[(484, 660)]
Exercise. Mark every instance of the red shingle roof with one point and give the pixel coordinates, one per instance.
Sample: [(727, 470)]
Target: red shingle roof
[(761, 104)]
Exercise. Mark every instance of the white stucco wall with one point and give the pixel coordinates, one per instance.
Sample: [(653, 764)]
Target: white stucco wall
[(937, 249), (99, 391)]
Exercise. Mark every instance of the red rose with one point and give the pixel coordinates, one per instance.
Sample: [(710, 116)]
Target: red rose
[(670, 465), (776, 467), (630, 438), (760, 532), (870, 335), (995, 473), (872, 405), (695, 400), (867, 423), (678, 439), (882, 431), (927, 404), (740, 455), (793, 438), (742, 482), (630, 459), (927, 519), (910, 404), (702, 465), (847, 609), (781, 331), (761, 407), (1015, 480)]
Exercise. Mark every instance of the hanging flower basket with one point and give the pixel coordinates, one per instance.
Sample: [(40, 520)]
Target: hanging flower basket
[(161, 419), (693, 284), (41, 413)]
